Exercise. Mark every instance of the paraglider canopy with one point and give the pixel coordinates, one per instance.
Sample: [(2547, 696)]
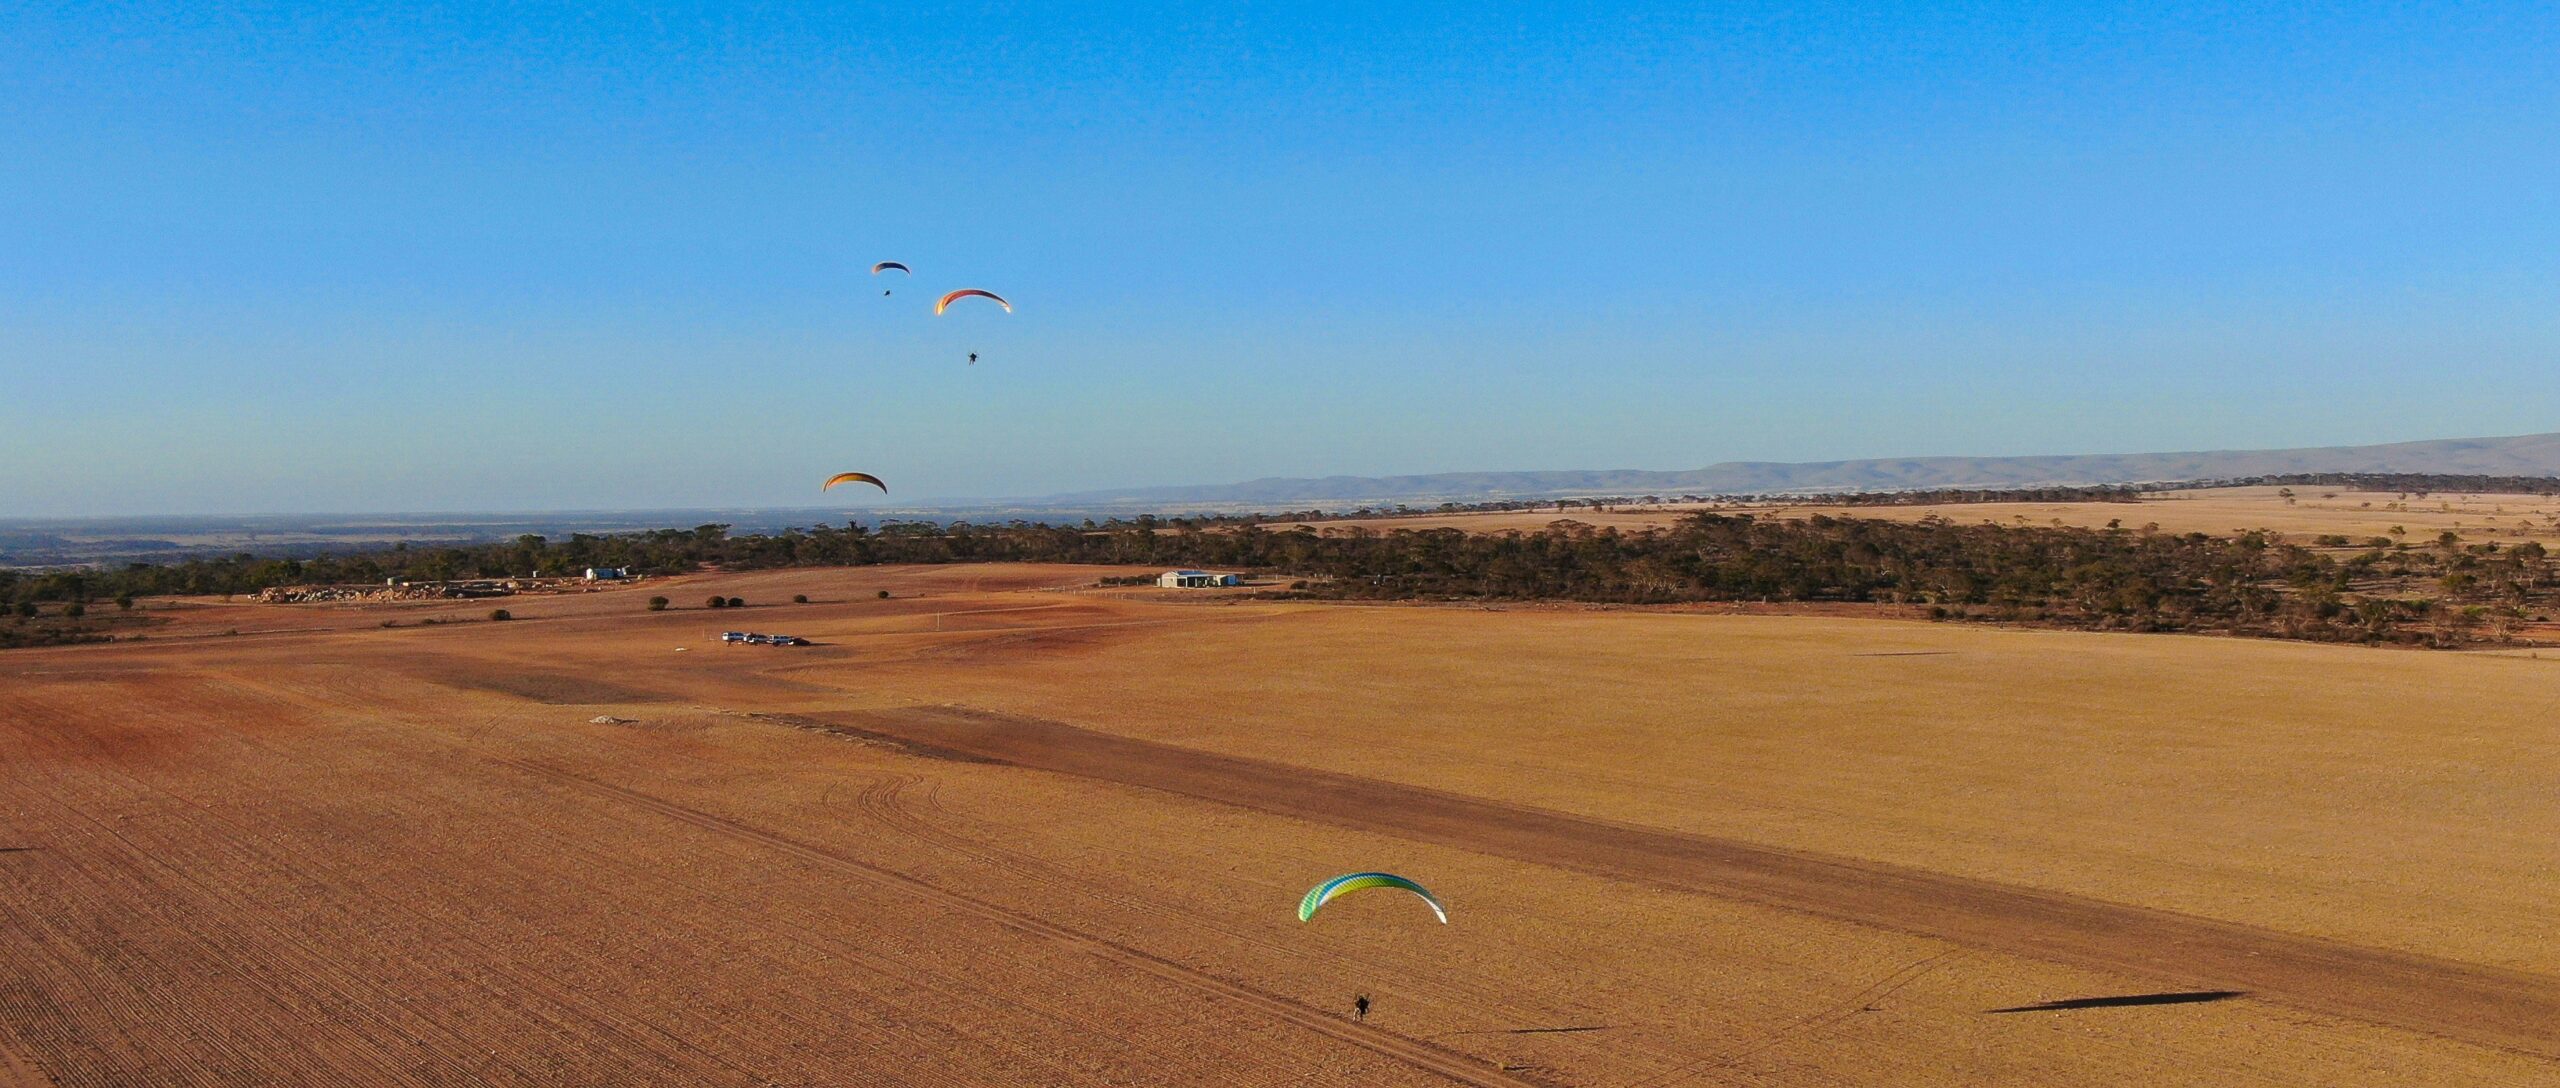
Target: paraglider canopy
[(1335, 888), (969, 292), (875, 269), (855, 478)]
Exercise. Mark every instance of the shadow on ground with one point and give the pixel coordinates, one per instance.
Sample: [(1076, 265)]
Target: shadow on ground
[(2186, 997), (1531, 1031)]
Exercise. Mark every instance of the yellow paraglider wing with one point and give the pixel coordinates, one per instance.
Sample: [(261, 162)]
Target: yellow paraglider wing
[(1328, 891), (970, 292), (855, 478)]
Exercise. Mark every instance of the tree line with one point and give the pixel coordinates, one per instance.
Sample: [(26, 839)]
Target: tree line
[(2444, 592)]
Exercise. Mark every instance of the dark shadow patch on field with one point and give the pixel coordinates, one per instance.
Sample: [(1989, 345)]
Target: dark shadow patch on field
[(551, 688), (2124, 1001), (993, 643), (865, 726), (1534, 1031), (88, 673)]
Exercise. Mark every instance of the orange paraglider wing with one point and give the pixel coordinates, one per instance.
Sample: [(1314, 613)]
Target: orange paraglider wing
[(966, 292), (855, 478)]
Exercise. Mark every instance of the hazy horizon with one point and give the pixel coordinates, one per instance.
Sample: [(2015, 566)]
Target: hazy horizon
[(2485, 455), (489, 260)]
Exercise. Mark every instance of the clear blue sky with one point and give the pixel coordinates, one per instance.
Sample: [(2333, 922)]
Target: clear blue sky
[(270, 258)]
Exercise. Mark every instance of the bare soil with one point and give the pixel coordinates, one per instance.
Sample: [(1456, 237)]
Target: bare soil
[(1002, 829)]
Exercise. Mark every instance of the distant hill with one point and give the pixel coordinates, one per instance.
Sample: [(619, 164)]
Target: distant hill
[(2524, 455), (53, 542)]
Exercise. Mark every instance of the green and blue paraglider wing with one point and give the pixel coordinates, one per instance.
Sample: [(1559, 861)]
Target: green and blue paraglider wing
[(1335, 888)]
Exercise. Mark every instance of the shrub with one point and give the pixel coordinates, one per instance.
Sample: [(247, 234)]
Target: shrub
[(75, 610), (799, 598), (716, 602), (657, 604), (884, 594), (737, 602), (27, 609), (125, 602), (501, 614)]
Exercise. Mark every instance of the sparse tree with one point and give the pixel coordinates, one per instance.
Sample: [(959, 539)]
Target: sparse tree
[(501, 615), (799, 598), (716, 602), (657, 604), (737, 602)]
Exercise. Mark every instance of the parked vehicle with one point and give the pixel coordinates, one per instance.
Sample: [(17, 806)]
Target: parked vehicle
[(736, 636)]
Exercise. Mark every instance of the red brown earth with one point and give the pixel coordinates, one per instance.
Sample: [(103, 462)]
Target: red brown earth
[(1002, 830)]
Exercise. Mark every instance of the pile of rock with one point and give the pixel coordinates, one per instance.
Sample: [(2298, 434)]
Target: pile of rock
[(413, 591), (434, 591)]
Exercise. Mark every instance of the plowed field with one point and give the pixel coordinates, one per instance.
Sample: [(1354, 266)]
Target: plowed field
[(998, 829)]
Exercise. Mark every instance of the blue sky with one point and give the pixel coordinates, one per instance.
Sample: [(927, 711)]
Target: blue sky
[(268, 258)]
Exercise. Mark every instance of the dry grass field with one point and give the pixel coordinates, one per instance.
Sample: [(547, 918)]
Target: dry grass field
[(1003, 829), (2314, 511)]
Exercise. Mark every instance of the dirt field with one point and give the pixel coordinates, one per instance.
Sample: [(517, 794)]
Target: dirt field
[(1001, 830), (2314, 511)]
